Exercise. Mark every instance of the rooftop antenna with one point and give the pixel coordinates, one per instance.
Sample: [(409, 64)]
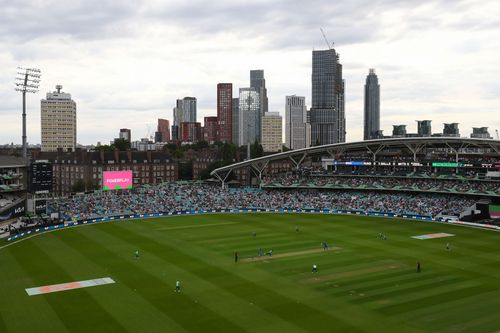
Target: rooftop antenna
[(326, 39)]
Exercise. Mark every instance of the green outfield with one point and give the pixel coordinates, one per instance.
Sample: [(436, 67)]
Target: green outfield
[(363, 284)]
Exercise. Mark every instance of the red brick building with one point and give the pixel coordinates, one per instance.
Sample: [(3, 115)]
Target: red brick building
[(225, 111), (69, 168), (164, 129), (190, 132), (210, 130)]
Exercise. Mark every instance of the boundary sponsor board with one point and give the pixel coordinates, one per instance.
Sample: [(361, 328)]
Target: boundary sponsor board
[(239, 210), (431, 236), (68, 286), (17, 210), (494, 211)]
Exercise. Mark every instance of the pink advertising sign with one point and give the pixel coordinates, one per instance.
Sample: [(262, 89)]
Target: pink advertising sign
[(117, 180)]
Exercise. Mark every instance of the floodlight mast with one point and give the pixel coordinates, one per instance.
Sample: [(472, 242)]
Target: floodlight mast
[(27, 80)]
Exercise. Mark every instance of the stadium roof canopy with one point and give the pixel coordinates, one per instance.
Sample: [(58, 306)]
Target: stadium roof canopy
[(456, 145)]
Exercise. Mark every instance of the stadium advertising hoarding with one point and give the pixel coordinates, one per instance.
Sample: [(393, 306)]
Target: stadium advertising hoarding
[(16, 210), (494, 211), (41, 206), (116, 180)]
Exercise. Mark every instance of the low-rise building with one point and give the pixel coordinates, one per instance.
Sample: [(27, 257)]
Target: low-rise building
[(82, 170)]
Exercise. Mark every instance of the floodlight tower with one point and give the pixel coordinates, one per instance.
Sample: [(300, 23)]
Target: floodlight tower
[(27, 80)]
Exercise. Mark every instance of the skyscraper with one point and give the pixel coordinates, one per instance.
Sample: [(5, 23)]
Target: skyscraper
[(327, 114), (249, 116), (58, 121), (258, 82), (372, 106), (164, 129), (190, 132), (236, 122), (296, 126), (188, 106), (272, 132), (184, 111), (225, 112)]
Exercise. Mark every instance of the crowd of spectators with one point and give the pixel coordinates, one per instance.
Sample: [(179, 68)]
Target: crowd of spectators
[(26, 223), (171, 197), (386, 183)]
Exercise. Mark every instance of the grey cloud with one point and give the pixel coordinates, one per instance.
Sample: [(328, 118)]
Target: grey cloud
[(96, 19), (295, 24)]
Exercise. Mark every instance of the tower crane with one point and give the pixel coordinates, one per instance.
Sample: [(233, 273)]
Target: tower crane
[(326, 39)]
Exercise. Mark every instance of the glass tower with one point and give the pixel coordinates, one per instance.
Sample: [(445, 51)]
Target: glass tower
[(372, 106), (327, 114), (249, 116)]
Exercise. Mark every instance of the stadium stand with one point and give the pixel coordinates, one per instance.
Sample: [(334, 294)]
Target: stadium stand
[(171, 197)]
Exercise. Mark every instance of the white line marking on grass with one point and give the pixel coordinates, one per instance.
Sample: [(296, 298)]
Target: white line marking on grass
[(68, 286), (196, 226)]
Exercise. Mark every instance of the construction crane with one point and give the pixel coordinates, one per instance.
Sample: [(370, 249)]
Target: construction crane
[(149, 135), (326, 39)]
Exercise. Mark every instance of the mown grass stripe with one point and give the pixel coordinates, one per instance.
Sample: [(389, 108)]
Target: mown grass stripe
[(3, 328), (102, 321), (426, 298), (370, 286), (158, 293), (142, 316), (404, 288), (475, 311), (19, 307), (309, 319), (342, 311), (420, 304)]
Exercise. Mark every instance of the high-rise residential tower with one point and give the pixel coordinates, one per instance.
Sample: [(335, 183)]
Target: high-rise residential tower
[(210, 130), (236, 122), (58, 118), (372, 106), (225, 112), (184, 111), (297, 133), (327, 114), (272, 132), (258, 82), (164, 130), (249, 116)]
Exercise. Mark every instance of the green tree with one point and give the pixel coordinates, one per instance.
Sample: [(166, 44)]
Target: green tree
[(186, 170), (256, 150), (171, 147), (227, 152), (78, 186), (105, 148), (178, 153), (205, 174), (122, 144)]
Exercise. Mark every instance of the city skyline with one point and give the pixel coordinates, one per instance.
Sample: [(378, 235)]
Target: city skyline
[(422, 52)]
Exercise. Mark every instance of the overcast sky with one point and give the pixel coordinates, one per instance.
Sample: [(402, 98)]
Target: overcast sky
[(126, 62)]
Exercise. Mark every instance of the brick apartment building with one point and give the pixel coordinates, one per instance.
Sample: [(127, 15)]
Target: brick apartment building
[(71, 167)]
